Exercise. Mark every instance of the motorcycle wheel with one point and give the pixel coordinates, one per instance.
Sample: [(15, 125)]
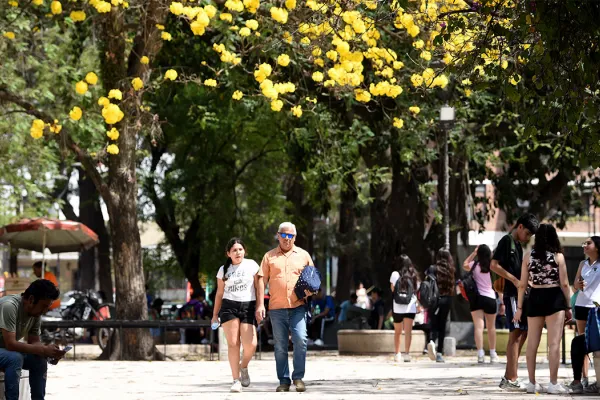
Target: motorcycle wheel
[(104, 335)]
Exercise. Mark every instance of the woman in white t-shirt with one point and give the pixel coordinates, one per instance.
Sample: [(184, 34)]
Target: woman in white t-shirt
[(235, 306), (404, 314)]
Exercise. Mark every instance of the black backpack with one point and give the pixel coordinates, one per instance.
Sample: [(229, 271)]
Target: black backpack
[(403, 296), (429, 293), (469, 285)]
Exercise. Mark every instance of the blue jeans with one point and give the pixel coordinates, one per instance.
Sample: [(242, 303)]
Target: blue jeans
[(284, 321), (12, 363)]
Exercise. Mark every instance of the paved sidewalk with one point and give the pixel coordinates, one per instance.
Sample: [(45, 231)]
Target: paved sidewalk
[(328, 377)]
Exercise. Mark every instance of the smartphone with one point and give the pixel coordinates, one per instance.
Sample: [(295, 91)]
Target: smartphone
[(66, 349)]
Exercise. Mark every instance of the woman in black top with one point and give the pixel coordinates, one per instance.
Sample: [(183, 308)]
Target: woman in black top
[(444, 273)]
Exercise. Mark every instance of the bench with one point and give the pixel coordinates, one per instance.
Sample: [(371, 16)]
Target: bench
[(370, 341), (502, 340), (24, 390)]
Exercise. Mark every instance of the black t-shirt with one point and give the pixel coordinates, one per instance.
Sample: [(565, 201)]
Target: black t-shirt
[(509, 255), (377, 311)]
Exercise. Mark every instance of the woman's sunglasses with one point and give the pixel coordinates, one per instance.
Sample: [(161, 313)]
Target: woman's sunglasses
[(286, 235)]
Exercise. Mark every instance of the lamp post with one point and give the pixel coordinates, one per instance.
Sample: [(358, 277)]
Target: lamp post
[(446, 119)]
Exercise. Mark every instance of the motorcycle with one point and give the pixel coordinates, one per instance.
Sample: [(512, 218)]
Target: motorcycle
[(81, 306)]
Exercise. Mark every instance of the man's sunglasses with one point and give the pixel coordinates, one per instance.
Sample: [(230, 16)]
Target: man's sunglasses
[(286, 235)]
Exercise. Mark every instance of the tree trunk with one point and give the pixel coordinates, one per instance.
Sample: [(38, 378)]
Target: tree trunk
[(104, 261), (88, 206), (346, 240)]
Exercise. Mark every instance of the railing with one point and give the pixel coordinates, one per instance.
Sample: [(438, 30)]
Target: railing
[(124, 324)]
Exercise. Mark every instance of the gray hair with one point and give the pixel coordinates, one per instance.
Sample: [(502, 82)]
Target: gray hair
[(287, 225)]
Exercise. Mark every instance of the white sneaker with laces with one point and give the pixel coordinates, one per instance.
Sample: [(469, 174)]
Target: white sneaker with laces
[(236, 387), (480, 359), (534, 388), (494, 359), (431, 350), (398, 357), (557, 389), (245, 377), (407, 358)]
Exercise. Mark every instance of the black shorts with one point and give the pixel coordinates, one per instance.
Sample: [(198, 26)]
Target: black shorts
[(398, 318), (487, 304), (242, 310), (581, 313), (510, 314), (546, 301)]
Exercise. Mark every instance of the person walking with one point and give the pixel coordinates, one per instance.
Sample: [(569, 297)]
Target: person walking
[(483, 306), (506, 262), (280, 269), (587, 284), (444, 273), (405, 283), (235, 306), (545, 270)]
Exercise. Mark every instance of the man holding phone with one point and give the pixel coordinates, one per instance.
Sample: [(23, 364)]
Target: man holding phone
[(20, 317)]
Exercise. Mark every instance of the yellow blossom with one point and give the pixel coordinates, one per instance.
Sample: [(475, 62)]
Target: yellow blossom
[(210, 82), (137, 83), (160, 27), (245, 32), (279, 14), (112, 149), (317, 51), (305, 40), (263, 71), (37, 129), (252, 5), (362, 95), (75, 113), (414, 109), (144, 60), (252, 24), (276, 105), (9, 35), (13, 3), (290, 4), (332, 55), (210, 10), (38, 2), (418, 44), (101, 6), (468, 92), (91, 78), (77, 16), (314, 101), (397, 64), (425, 55), (166, 36), (176, 8), (417, 80), (103, 101), (171, 74), (297, 111), (226, 17), (112, 114), (283, 60), (466, 82), (81, 87), (398, 123), (441, 81), (237, 95), (55, 127), (56, 7), (115, 94), (113, 134), (515, 79), (317, 76)]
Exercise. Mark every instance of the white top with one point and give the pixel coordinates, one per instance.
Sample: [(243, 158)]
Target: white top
[(591, 293), (410, 308), (239, 284)]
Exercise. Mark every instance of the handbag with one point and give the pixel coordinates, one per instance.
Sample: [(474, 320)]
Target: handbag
[(310, 279), (592, 331)]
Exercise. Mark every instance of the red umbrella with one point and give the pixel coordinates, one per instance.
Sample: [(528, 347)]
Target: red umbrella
[(52, 234)]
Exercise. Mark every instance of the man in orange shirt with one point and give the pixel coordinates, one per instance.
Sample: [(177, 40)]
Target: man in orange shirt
[(280, 269), (37, 270)]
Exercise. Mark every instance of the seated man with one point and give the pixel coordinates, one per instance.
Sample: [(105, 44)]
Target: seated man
[(323, 309), (20, 318), (345, 306)]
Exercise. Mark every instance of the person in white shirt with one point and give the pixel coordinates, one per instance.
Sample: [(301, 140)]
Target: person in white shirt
[(404, 313), (587, 284), (235, 306)]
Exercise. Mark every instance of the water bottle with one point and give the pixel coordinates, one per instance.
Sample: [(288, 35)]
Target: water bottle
[(317, 310), (214, 326)]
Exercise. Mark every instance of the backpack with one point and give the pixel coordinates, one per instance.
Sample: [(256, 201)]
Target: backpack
[(187, 312), (429, 293), (310, 279), (400, 296), (497, 280), (470, 286)]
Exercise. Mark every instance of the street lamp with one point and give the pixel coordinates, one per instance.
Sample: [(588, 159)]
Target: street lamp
[(446, 119)]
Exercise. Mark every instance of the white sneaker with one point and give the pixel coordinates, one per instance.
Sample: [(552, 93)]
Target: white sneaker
[(480, 359), (431, 350), (407, 358), (398, 357), (236, 387), (245, 377), (557, 389), (319, 343), (534, 388), (494, 359)]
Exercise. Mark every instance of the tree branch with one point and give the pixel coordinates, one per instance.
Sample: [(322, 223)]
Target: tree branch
[(82, 155)]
